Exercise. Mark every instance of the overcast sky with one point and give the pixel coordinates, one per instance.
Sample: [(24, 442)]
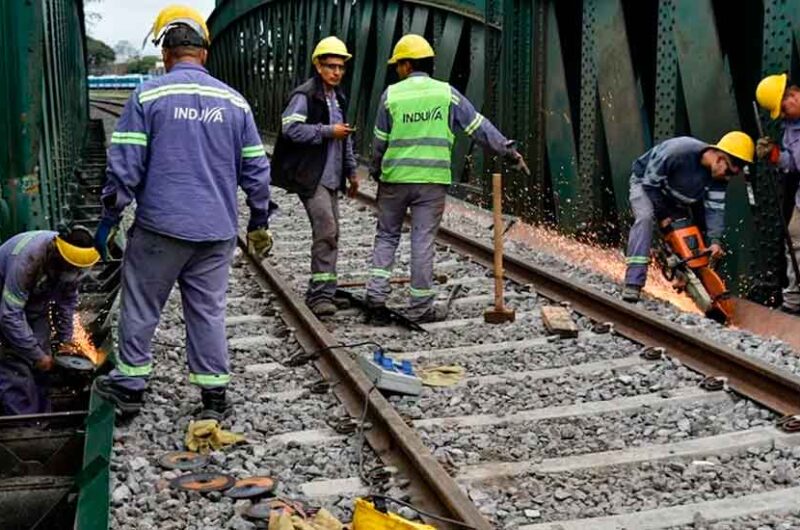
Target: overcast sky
[(126, 20)]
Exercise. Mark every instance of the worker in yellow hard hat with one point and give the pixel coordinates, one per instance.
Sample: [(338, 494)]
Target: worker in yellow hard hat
[(782, 100), (40, 273), (173, 15), (681, 178), (417, 119), (314, 158), (184, 145)]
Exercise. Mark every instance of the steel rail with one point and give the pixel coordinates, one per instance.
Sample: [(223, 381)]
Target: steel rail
[(395, 442), (103, 106), (774, 388)]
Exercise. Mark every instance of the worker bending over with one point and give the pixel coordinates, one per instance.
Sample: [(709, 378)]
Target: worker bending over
[(411, 159), (314, 158), (782, 101), (183, 143), (680, 178), (40, 273)]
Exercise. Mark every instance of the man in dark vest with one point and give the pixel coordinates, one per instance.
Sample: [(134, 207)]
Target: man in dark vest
[(314, 157)]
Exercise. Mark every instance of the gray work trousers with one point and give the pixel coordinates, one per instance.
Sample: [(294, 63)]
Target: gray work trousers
[(640, 237), (426, 202), (150, 267), (323, 212), (791, 295)]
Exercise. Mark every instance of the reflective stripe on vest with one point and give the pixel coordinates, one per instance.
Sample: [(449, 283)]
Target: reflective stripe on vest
[(420, 141)]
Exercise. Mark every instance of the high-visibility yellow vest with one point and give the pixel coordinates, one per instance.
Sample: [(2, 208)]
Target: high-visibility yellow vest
[(420, 142)]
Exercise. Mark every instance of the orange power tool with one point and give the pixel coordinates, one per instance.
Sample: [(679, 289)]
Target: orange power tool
[(686, 261)]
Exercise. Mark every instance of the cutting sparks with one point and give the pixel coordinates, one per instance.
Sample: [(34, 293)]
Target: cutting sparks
[(84, 343), (607, 262)]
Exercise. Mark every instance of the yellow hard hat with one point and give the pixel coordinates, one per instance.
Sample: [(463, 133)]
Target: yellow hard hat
[(738, 145), (331, 46), (411, 47), (769, 93), (77, 256), (178, 14)]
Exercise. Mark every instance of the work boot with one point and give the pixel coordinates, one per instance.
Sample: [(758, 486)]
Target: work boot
[(126, 401), (790, 310), (632, 293), (341, 302), (215, 406), (378, 314), (323, 308), (435, 313)]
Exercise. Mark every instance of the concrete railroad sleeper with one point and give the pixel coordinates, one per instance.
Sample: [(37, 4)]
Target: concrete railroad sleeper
[(773, 388), (390, 437), (755, 379)]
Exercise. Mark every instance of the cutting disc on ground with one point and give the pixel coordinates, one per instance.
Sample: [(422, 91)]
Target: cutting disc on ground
[(74, 363), (183, 460), (203, 482), (250, 487)]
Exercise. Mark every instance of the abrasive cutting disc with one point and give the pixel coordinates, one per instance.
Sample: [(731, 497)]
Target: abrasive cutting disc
[(183, 460), (203, 482), (74, 363), (251, 487)]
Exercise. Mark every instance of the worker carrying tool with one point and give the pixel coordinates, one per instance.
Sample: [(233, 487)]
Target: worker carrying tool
[(411, 160), (40, 273), (314, 158), (783, 102), (679, 179), (183, 143)]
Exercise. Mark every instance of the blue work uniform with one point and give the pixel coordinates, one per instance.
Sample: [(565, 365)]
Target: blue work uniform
[(789, 164), (322, 206), (669, 181), (426, 202), (30, 293), (183, 144)]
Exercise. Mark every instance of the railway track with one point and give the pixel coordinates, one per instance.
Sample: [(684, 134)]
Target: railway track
[(568, 417), (109, 106), (542, 433)]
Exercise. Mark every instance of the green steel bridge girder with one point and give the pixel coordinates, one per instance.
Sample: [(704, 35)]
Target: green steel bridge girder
[(584, 86)]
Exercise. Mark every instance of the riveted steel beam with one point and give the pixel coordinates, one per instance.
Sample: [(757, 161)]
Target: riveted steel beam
[(620, 105), (559, 131)]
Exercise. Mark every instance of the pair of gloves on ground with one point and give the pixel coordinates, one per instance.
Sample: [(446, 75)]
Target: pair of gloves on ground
[(259, 239)]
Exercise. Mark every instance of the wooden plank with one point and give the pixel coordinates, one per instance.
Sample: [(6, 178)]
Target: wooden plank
[(558, 321)]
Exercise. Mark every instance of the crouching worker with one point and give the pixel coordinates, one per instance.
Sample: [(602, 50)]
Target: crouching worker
[(680, 178), (40, 273)]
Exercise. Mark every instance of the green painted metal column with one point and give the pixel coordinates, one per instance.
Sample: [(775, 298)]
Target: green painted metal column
[(559, 132), (619, 101), (767, 257)]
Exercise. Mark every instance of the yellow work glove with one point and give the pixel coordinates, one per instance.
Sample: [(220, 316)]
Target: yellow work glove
[(259, 242), (280, 520), (204, 436), (323, 520), (441, 375)]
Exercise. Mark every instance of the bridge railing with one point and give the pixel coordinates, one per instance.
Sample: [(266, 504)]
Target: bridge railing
[(585, 86), (43, 110)]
